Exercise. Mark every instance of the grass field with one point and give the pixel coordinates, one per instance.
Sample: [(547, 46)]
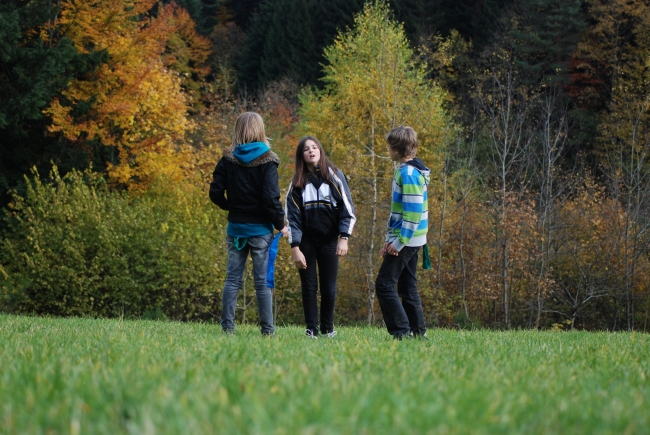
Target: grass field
[(83, 376)]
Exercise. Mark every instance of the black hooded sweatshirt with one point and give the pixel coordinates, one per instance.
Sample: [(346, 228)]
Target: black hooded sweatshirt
[(249, 192)]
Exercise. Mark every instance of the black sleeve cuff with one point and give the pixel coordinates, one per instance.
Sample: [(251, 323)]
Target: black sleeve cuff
[(294, 244), (279, 224)]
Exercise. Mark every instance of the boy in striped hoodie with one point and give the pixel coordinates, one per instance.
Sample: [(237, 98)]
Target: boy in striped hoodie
[(407, 232)]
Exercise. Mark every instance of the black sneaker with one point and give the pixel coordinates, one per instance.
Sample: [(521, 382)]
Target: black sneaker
[(420, 334)]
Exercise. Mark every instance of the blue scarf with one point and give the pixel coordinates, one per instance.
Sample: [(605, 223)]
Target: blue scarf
[(248, 152)]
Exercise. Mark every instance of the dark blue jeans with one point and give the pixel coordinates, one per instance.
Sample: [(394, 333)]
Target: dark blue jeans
[(258, 247), (401, 317), (323, 254)]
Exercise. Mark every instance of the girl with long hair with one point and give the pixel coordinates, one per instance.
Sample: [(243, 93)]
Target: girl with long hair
[(245, 183), (321, 217)]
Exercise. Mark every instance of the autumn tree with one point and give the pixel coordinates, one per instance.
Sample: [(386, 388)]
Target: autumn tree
[(132, 103), (546, 156), (187, 54), (625, 139), (610, 74), (372, 84), (503, 100)]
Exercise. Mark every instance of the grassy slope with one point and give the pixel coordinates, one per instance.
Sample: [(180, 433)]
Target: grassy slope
[(109, 376)]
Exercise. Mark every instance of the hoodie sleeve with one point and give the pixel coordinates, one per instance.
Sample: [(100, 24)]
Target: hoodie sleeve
[(271, 195), (346, 216), (218, 185), (293, 208)]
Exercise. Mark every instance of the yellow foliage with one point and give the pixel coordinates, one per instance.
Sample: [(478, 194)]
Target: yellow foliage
[(373, 85), (137, 104)]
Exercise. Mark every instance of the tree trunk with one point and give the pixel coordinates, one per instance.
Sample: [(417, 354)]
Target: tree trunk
[(506, 301), (463, 267), (370, 274), (441, 234)]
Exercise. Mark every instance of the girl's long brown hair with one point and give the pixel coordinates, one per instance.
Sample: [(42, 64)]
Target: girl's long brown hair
[(301, 173)]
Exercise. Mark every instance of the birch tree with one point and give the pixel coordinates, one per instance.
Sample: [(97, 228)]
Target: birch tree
[(503, 100), (373, 83)]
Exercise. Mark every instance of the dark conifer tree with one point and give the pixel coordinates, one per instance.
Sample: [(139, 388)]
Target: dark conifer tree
[(244, 10), (545, 36), (252, 54), (473, 19), (33, 71), (209, 9), (203, 12), (286, 38)]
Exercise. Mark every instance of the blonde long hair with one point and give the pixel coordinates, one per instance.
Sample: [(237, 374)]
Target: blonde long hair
[(249, 127)]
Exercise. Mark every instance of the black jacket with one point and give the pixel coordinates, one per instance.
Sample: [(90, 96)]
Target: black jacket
[(249, 192), (320, 211)]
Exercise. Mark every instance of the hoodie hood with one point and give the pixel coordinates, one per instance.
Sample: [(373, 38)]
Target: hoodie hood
[(419, 165), (248, 152)]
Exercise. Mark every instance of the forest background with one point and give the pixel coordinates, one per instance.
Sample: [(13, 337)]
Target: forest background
[(532, 115)]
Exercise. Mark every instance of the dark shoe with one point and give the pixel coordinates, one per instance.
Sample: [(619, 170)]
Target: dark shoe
[(406, 335), (420, 334), (311, 334), (229, 331)]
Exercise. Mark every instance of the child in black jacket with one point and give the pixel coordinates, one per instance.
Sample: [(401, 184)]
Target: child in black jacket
[(245, 182), (321, 217)]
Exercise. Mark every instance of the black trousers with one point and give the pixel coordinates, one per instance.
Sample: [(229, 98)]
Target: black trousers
[(405, 315), (323, 255)]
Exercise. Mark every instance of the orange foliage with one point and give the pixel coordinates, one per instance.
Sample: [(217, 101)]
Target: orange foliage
[(598, 248), (137, 104), (479, 267)]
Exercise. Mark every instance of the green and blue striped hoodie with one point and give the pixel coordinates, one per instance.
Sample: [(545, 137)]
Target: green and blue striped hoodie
[(409, 208)]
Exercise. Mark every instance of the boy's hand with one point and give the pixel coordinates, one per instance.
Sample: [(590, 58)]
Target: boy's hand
[(298, 258), (389, 249), (285, 231), (342, 247), (382, 252)]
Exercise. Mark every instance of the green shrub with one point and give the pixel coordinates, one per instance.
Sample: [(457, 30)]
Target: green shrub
[(464, 322), (75, 248)]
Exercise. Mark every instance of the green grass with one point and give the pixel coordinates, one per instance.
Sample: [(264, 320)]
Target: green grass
[(83, 376)]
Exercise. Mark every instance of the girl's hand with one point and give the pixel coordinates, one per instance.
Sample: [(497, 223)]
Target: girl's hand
[(298, 258), (342, 247), (285, 231)]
